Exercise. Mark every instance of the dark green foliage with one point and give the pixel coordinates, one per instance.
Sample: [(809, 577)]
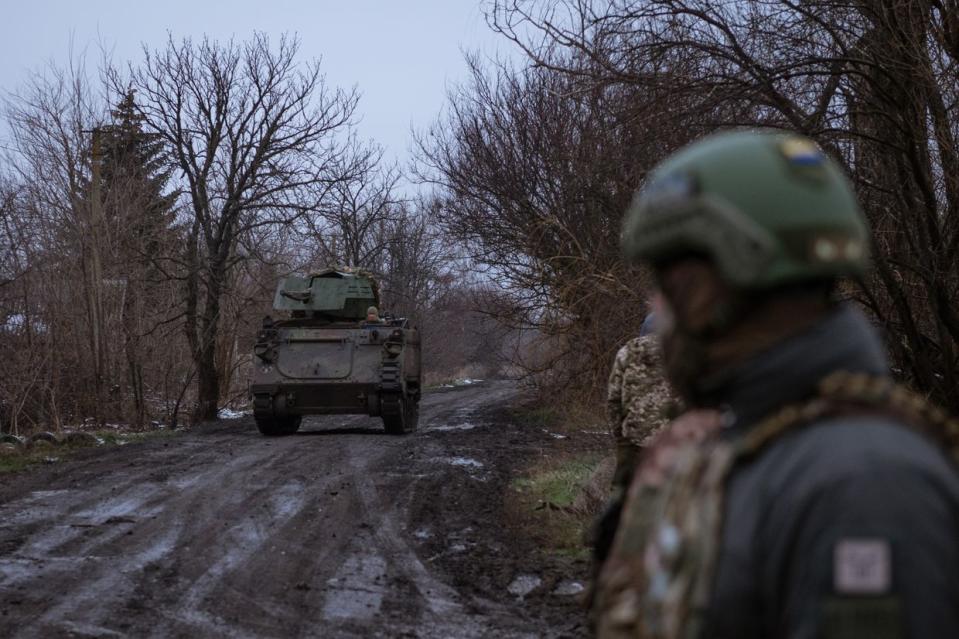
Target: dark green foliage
[(135, 177)]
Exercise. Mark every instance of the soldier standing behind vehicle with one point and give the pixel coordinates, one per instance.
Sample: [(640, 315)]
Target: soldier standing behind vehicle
[(806, 496)]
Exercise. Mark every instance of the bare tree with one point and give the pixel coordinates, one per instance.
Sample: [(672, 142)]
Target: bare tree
[(418, 264), (348, 227), (874, 82), (252, 132), (15, 240), (533, 173), (51, 123)]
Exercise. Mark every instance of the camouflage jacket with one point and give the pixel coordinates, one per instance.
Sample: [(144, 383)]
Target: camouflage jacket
[(638, 397), (793, 513)]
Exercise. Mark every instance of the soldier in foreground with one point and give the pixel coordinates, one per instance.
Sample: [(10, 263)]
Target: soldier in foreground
[(804, 495)]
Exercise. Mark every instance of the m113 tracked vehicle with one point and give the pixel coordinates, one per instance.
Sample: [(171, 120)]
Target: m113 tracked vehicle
[(327, 355)]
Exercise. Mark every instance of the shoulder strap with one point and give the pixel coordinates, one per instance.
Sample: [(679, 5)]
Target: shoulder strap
[(839, 393), (857, 393), (671, 552)]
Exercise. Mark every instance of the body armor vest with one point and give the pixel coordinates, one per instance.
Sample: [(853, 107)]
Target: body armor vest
[(658, 582)]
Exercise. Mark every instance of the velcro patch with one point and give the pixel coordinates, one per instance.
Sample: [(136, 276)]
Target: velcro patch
[(859, 617), (862, 567)]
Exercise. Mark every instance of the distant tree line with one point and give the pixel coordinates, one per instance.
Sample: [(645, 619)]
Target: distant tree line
[(146, 215), (535, 163)]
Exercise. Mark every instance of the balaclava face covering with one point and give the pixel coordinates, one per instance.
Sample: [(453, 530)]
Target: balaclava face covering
[(699, 308)]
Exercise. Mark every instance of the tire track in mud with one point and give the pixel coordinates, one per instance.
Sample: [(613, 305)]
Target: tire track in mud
[(220, 532)]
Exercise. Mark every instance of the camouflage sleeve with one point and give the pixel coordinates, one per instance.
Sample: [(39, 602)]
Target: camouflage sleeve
[(651, 410), (615, 411), (647, 397)]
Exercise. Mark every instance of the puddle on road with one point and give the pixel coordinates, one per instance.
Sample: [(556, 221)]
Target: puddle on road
[(40, 504), (356, 592), (71, 526), (465, 462), (122, 505), (568, 588), (408, 475), (238, 543), (459, 420), (463, 426), (523, 585), (473, 467), (182, 483), (16, 569), (288, 500)]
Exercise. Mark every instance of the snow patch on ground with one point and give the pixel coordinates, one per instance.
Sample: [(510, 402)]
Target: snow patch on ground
[(465, 462), (463, 426), (89, 424), (228, 413), (523, 585), (568, 588), (460, 382), (474, 468)]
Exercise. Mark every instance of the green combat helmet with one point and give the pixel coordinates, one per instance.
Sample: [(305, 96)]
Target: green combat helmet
[(769, 209)]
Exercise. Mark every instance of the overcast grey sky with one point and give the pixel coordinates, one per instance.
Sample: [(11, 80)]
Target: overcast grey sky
[(400, 53)]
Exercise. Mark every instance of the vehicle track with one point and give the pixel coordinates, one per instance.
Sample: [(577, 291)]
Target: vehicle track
[(221, 532)]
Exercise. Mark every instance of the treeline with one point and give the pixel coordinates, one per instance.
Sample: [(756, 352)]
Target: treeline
[(146, 213), (535, 163)]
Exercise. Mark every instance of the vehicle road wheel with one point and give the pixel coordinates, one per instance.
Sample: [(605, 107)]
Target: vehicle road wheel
[(395, 420), (278, 426), (412, 415), (293, 424), (404, 418)]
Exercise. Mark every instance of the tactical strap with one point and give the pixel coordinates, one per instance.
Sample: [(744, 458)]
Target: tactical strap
[(840, 393), (857, 393), (662, 587)]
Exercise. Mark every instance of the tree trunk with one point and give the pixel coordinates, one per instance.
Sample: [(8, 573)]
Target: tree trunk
[(208, 376), (208, 390)]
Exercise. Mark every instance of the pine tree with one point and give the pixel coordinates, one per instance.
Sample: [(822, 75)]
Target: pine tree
[(135, 177), (138, 219)]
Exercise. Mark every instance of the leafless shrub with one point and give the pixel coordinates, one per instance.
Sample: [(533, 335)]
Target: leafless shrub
[(533, 170), (874, 83)]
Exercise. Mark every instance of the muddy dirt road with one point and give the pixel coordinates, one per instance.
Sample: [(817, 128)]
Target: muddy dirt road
[(340, 531)]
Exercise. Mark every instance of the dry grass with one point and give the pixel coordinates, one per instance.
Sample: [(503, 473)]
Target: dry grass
[(18, 457), (555, 500)]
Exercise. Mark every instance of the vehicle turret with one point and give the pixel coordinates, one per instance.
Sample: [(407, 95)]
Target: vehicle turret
[(333, 294)]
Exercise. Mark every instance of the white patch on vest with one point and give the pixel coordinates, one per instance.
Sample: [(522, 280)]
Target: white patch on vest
[(862, 567)]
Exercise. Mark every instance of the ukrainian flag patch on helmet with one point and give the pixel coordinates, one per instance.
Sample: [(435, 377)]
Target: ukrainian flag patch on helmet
[(673, 187), (801, 152)]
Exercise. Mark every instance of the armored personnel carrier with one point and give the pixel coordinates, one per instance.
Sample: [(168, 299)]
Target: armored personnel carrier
[(327, 355)]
